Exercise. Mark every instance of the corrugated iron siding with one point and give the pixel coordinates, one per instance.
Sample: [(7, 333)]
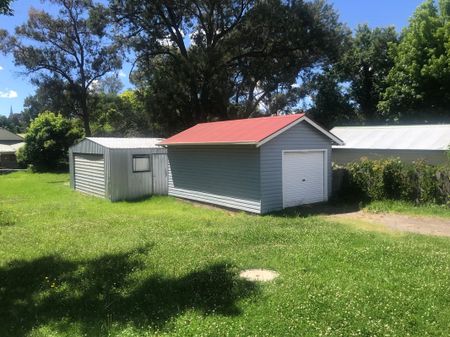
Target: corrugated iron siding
[(222, 175), (90, 174), (160, 174), (300, 137), (126, 184), (88, 147)]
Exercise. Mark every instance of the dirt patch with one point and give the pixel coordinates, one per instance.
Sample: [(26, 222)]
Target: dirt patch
[(261, 275), (397, 222)]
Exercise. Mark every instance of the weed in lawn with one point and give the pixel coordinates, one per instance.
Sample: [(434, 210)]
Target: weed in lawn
[(95, 294)]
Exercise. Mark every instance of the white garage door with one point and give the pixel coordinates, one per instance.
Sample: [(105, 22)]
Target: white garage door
[(90, 174), (303, 178)]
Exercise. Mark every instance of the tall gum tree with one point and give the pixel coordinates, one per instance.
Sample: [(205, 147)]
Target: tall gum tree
[(72, 47)]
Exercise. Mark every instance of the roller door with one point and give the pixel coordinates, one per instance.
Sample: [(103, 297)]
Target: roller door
[(90, 174), (304, 178)]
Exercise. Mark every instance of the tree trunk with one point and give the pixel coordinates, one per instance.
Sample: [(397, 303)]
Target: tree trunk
[(85, 116)]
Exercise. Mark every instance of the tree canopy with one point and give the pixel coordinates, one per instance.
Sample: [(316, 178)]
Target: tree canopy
[(71, 49), (418, 85), (204, 60), (5, 7)]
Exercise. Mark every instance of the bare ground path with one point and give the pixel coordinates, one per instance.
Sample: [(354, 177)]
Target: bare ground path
[(398, 222)]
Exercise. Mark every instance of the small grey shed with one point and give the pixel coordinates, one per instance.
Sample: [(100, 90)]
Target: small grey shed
[(258, 165), (119, 168)]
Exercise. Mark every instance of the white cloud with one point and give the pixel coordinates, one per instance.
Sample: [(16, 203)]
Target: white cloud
[(1, 68), (122, 74), (8, 94)]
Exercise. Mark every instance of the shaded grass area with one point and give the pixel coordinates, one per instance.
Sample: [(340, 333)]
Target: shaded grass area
[(73, 265)]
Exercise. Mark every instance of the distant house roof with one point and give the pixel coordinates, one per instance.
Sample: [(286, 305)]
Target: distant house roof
[(126, 143), (8, 135), (11, 148), (252, 131), (401, 137)]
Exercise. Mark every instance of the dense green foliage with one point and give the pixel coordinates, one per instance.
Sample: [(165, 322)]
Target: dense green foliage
[(72, 265), (419, 82), (349, 91), (47, 141), (120, 115), (204, 60), (393, 179)]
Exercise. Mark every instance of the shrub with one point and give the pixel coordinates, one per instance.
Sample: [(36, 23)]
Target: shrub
[(392, 179), (47, 141)]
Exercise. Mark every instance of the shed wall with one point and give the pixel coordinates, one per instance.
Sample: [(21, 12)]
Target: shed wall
[(222, 175), (126, 184), (345, 156), (300, 137)]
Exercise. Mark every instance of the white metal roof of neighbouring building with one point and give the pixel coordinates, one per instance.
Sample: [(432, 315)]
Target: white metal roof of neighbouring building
[(398, 137), (126, 143)]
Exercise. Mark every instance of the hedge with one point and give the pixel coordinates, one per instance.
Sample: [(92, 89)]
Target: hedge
[(393, 179)]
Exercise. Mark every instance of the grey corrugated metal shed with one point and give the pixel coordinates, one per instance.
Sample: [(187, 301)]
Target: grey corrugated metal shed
[(251, 165), (407, 142), (119, 168)]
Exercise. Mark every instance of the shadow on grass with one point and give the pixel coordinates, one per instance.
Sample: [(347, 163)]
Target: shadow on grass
[(329, 208), (109, 291)]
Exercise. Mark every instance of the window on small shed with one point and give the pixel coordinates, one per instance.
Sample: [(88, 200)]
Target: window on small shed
[(141, 163)]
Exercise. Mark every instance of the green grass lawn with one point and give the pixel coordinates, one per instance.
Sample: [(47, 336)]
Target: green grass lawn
[(389, 206), (73, 265)]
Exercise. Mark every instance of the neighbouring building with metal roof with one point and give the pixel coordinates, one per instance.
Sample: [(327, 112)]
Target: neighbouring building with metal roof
[(429, 143), (257, 165), (119, 168), (9, 144)]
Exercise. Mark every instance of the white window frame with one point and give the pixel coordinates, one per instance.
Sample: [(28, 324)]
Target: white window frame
[(141, 156)]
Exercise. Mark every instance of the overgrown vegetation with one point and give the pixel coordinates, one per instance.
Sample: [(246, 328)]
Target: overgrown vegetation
[(73, 265), (47, 142), (393, 179)]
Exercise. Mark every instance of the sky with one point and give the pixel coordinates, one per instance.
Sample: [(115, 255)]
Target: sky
[(14, 87)]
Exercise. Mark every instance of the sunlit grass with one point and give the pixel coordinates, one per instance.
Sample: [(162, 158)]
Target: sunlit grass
[(389, 206), (73, 265)]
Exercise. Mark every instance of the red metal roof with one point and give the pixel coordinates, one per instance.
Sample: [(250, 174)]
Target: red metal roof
[(240, 131)]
